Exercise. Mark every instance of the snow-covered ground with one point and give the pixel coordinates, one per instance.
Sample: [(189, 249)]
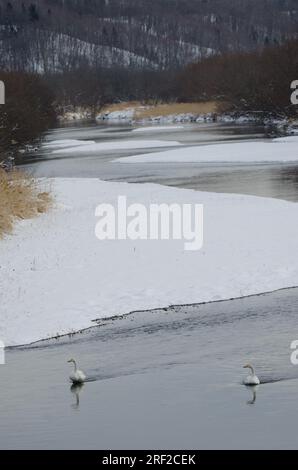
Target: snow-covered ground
[(279, 150), (77, 115), (134, 114), (90, 147), (56, 276), (287, 140), (126, 114)]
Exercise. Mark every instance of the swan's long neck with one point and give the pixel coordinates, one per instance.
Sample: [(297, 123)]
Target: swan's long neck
[(252, 370), (75, 365)]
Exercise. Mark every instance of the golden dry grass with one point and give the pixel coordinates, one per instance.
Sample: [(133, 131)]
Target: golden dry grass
[(177, 108), (147, 111), (20, 198)]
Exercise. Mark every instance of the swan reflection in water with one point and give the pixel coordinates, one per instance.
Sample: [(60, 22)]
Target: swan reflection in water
[(76, 390), (253, 392)]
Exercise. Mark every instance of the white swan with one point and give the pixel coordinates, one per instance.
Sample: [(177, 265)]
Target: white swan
[(78, 377), (251, 379)]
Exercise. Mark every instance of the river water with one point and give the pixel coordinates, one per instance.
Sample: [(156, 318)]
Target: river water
[(169, 378), (268, 180)]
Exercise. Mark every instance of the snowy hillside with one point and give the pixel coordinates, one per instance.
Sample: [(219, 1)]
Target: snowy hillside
[(51, 35)]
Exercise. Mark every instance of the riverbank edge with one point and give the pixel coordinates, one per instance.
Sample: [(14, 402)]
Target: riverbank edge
[(138, 114), (100, 322)]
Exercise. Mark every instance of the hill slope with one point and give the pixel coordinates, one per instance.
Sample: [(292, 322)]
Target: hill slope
[(54, 35)]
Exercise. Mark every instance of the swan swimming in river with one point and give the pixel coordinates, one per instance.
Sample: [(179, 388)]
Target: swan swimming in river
[(251, 379), (78, 377)]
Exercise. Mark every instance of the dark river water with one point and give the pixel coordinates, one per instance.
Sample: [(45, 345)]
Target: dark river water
[(169, 378), (163, 379)]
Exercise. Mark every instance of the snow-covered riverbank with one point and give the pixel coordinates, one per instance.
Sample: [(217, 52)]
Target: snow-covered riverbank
[(56, 276), (165, 114)]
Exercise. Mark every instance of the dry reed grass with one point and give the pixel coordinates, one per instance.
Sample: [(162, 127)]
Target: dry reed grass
[(176, 108), (20, 198), (152, 110)]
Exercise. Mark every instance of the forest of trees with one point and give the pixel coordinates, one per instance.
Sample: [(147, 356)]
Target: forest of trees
[(94, 87), (61, 35), (257, 81), (28, 111)]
